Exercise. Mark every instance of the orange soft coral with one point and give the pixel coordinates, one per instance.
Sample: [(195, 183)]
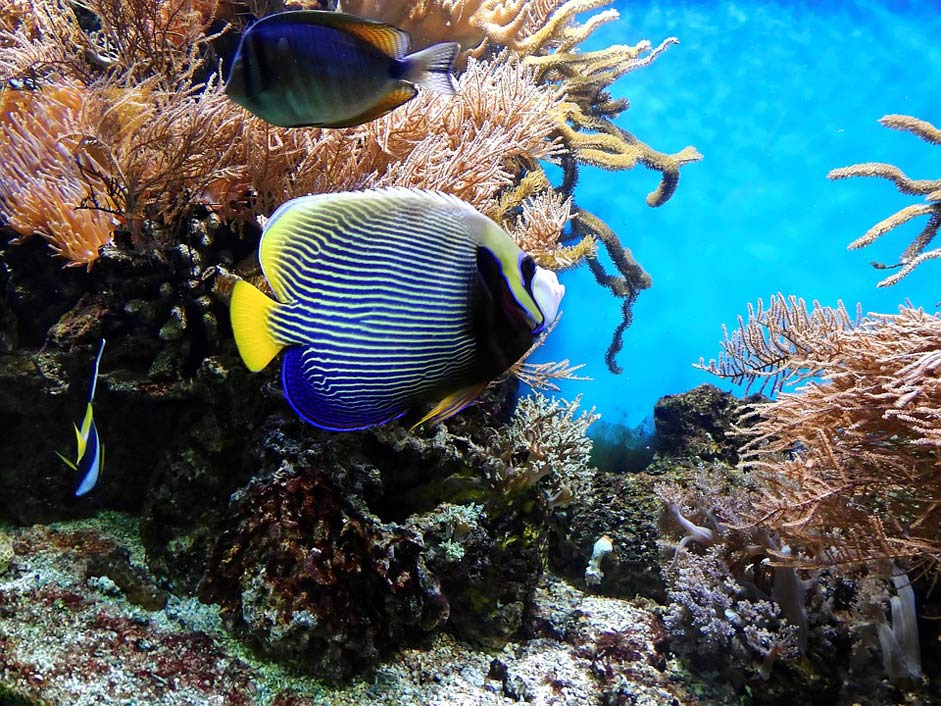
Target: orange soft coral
[(42, 189)]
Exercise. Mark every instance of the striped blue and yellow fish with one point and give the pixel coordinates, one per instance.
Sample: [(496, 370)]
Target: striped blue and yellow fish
[(328, 69), (90, 454), (388, 301)]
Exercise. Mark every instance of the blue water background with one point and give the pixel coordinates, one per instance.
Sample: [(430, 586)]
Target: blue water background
[(774, 95)]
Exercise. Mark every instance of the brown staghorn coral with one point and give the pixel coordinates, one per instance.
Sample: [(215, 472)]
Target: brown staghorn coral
[(156, 152), (133, 41), (916, 252), (846, 467)]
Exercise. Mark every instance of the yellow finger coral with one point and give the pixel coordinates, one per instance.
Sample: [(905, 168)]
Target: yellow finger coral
[(916, 252)]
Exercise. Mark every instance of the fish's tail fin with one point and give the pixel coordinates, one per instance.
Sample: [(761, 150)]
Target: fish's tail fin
[(249, 311), (431, 67)]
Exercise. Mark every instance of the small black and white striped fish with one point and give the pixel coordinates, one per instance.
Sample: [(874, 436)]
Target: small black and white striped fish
[(328, 69), (388, 300)]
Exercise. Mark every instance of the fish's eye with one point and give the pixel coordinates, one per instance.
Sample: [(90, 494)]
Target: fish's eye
[(528, 270)]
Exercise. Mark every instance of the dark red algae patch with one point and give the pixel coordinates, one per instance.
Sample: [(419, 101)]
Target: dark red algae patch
[(68, 639), (79, 543)]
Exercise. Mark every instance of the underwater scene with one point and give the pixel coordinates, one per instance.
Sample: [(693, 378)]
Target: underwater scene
[(465, 352)]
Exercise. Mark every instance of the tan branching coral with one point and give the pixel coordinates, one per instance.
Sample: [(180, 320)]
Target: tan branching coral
[(916, 252), (155, 135), (145, 38), (524, 26), (766, 344), (137, 142), (156, 152), (17, 16), (545, 443), (473, 145), (847, 466)]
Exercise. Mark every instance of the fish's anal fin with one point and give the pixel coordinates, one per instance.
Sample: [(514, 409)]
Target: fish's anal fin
[(452, 404), (390, 101), (249, 311)]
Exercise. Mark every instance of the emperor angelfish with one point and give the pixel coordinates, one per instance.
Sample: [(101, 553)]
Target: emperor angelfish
[(318, 68), (388, 300)]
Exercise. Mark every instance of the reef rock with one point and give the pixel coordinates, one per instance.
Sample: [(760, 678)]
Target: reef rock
[(698, 423)]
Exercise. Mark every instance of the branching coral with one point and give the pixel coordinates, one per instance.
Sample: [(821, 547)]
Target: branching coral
[(728, 607), (155, 151), (155, 136), (847, 465), (546, 439), (765, 345), (916, 252), (132, 142), (524, 26)]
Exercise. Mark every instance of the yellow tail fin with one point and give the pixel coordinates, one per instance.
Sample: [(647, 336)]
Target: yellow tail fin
[(249, 311)]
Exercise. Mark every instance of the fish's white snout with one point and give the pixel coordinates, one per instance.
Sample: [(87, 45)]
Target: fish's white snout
[(548, 292)]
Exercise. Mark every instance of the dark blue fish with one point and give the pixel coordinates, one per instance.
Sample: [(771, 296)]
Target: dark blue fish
[(328, 69), (387, 301), (90, 454)]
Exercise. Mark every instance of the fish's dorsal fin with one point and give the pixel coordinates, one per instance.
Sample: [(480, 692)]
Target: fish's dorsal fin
[(94, 376), (453, 403), (390, 40), (297, 233), (390, 101)]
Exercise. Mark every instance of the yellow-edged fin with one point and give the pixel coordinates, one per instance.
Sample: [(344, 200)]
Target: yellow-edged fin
[(79, 441), (249, 311), (390, 40), (81, 435), (67, 462), (390, 101), (452, 404)]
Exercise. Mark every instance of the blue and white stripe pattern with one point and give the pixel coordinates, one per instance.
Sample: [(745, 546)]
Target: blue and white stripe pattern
[(377, 301)]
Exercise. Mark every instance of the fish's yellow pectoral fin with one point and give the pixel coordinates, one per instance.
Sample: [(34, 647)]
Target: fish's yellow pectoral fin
[(250, 310), (80, 437), (452, 404), (83, 431), (66, 461)]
